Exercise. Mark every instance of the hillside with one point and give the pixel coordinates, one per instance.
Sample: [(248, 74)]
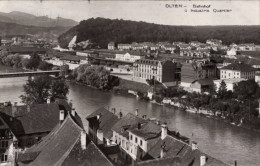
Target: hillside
[(102, 31), (32, 20), (10, 29)]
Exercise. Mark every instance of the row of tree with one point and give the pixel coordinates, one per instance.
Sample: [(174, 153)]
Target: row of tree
[(18, 61), (102, 31)]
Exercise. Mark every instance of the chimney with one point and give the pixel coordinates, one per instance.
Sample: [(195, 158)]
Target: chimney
[(48, 101), (100, 136), (144, 117), (202, 160), (98, 116), (114, 110), (139, 126), (235, 162), (15, 103), (120, 115), (73, 112), (136, 112), (164, 131), (194, 145), (83, 139), (158, 122), (62, 115), (162, 152)]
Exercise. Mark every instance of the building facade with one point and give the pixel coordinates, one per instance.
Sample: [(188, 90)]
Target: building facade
[(162, 71), (237, 70)]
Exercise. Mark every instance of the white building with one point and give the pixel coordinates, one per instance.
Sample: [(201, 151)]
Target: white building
[(231, 52), (257, 78), (130, 56), (230, 83), (237, 70)]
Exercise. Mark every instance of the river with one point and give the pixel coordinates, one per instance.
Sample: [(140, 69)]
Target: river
[(218, 139)]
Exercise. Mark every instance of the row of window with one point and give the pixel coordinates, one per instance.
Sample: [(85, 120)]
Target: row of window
[(136, 140), (4, 144)]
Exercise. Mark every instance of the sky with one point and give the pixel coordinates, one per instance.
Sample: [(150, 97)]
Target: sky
[(159, 12)]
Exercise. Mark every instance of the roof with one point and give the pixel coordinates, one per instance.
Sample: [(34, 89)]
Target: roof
[(55, 145), (148, 131), (91, 156), (73, 58), (177, 148), (35, 118), (231, 80), (127, 122), (173, 161), (63, 147), (239, 67), (106, 121), (18, 49), (205, 81)]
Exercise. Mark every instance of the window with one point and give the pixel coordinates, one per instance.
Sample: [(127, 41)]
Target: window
[(4, 144), (4, 158), (135, 139), (141, 143), (131, 137)]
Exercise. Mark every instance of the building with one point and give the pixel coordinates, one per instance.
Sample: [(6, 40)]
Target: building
[(111, 46), (246, 47), (170, 48), (257, 78), (160, 70), (195, 53), (100, 123), (237, 70), (231, 51), (214, 42), (124, 46), (201, 73), (230, 83), (67, 144), (23, 126), (129, 56), (144, 141)]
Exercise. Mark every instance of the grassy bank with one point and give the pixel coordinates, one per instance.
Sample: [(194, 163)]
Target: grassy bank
[(132, 85)]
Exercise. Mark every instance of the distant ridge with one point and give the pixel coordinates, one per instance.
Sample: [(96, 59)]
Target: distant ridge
[(102, 31), (32, 20)]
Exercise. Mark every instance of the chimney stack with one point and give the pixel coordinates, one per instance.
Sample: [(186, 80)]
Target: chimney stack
[(62, 115), (83, 139), (162, 152), (98, 116), (136, 112), (202, 160), (73, 112), (164, 131), (114, 110), (120, 115), (194, 145)]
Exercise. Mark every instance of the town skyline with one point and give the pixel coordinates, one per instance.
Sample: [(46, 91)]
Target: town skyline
[(161, 12)]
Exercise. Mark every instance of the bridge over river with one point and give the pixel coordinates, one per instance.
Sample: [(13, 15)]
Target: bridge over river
[(29, 73)]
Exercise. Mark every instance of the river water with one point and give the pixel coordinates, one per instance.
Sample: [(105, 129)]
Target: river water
[(218, 139)]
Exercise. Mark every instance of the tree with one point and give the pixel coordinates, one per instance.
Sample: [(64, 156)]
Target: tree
[(245, 90), (41, 88), (36, 90), (59, 90), (222, 89), (45, 66), (34, 61)]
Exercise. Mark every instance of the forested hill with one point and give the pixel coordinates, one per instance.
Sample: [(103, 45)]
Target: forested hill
[(102, 31)]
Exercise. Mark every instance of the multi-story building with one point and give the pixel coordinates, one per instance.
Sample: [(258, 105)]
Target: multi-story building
[(124, 46), (198, 74), (111, 46), (160, 70), (237, 70), (195, 53), (246, 47), (214, 42)]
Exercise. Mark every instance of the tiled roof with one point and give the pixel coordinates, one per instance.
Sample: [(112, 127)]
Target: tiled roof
[(55, 147), (91, 156), (239, 67), (127, 122), (36, 118), (106, 121), (148, 131), (177, 148), (173, 161), (62, 146)]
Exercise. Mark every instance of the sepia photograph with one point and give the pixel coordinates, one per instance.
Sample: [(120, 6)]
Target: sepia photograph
[(129, 83)]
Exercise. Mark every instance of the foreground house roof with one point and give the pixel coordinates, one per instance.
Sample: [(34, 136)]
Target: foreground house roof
[(129, 121), (29, 119), (106, 121), (63, 147)]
